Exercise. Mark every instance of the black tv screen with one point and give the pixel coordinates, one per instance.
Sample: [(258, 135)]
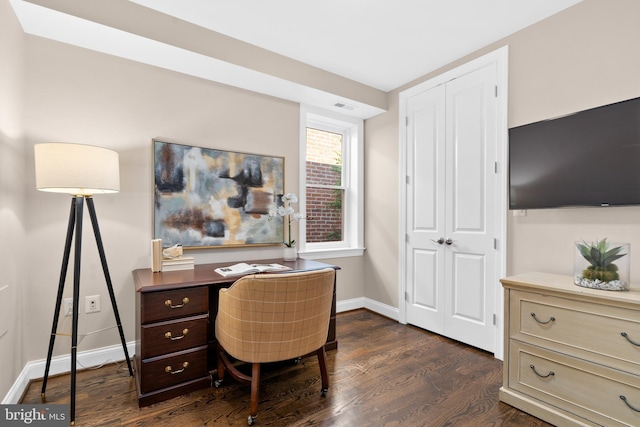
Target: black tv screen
[(591, 158)]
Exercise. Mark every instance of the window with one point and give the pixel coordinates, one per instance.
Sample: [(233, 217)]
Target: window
[(331, 184), (324, 189)]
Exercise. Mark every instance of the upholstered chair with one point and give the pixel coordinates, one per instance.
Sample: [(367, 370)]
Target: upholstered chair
[(265, 318)]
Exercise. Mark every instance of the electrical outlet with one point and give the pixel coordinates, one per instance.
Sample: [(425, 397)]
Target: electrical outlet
[(92, 304), (68, 307)]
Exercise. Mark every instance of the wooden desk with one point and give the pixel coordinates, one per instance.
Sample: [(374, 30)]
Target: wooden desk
[(175, 327)]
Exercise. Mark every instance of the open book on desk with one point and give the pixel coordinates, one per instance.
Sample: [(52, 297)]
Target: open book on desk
[(244, 268)]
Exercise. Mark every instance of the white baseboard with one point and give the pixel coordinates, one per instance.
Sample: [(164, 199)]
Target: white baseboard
[(375, 306), (383, 309), (62, 364), (92, 358), (349, 304)]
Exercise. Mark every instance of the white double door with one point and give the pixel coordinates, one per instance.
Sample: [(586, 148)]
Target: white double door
[(451, 155)]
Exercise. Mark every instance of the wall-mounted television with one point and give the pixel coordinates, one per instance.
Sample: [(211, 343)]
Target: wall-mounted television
[(590, 158)]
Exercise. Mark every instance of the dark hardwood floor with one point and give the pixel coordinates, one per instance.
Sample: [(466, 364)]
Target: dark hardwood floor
[(383, 374)]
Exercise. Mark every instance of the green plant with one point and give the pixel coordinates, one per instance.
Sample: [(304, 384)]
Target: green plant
[(601, 258), (336, 203)]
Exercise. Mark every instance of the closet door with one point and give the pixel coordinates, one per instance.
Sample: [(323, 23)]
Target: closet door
[(451, 155), (470, 258), (426, 209)]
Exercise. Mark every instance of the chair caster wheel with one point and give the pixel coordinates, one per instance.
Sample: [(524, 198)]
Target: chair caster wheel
[(323, 392), (250, 420), (217, 384)]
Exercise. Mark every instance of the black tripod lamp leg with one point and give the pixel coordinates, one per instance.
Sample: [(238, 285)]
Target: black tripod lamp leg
[(107, 276), (76, 303), (56, 313)]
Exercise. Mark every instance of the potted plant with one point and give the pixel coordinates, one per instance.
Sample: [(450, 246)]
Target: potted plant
[(595, 267), (289, 215)]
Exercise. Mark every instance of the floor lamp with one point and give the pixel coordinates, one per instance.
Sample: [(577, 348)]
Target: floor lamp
[(81, 171)]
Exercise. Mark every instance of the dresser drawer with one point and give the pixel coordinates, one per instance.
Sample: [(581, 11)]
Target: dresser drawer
[(585, 389), (592, 331), (166, 305), (167, 371), (172, 336)]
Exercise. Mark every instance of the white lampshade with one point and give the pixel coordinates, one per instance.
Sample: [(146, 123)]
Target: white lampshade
[(80, 170)]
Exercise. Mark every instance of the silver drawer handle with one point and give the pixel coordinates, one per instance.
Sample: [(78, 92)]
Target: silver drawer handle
[(168, 335), (624, 399), (550, 374), (624, 334), (551, 319), (185, 300), (168, 370)]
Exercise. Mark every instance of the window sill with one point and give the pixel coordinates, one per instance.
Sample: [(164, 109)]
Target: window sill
[(332, 253)]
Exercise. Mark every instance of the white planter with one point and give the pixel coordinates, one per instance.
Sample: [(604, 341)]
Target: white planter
[(290, 253)]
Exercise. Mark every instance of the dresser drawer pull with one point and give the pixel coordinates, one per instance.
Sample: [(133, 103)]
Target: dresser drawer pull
[(550, 374), (169, 370), (624, 334), (185, 300), (624, 399), (551, 319), (168, 335)]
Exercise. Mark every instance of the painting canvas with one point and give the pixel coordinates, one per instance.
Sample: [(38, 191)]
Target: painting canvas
[(213, 198)]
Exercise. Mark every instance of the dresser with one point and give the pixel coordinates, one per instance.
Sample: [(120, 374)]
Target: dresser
[(175, 334), (572, 354)]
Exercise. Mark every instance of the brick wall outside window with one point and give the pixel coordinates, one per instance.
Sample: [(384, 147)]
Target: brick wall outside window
[(324, 205)]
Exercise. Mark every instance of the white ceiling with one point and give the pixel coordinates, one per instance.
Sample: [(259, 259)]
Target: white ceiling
[(381, 43)]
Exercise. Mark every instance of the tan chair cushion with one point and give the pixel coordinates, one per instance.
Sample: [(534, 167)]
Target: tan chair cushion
[(272, 317)]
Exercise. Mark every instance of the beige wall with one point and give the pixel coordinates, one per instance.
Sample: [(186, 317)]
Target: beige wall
[(582, 57), (80, 96), (13, 255), (381, 205)]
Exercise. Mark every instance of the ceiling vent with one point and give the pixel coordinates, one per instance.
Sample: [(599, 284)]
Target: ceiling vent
[(343, 105)]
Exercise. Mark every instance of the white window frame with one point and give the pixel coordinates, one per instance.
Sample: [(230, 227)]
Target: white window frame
[(352, 128)]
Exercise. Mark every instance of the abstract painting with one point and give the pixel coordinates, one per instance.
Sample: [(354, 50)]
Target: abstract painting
[(205, 197)]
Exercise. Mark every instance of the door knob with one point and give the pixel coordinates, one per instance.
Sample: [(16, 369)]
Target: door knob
[(439, 241), (449, 241)]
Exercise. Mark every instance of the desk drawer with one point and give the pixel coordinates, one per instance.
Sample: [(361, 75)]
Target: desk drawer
[(172, 336), (585, 389), (587, 330), (161, 372), (166, 305)]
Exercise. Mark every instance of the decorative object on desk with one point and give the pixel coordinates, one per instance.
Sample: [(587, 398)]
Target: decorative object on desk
[(213, 198), (156, 255), (290, 253), (289, 215), (243, 268), (178, 263), (174, 251), (81, 171), (595, 267)]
